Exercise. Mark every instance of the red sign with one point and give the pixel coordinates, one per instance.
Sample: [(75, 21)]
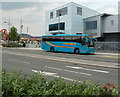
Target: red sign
[(4, 34)]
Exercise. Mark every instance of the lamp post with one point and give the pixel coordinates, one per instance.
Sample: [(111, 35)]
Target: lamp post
[(27, 36), (59, 14), (21, 26), (9, 24)]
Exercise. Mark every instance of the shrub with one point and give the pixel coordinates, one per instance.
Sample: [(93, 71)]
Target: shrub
[(17, 84), (12, 45)]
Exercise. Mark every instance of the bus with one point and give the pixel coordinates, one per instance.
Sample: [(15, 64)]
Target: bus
[(73, 43)]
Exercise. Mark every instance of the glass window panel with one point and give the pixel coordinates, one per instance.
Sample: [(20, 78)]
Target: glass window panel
[(51, 15), (79, 10), (53, 27), (91, 25), (62, 12)]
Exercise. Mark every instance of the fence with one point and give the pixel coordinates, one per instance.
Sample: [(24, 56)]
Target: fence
[(108, 47)]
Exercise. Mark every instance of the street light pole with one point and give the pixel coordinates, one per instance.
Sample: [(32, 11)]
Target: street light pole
[(59, 14), (9, 24), (21, 26), (27, 35)]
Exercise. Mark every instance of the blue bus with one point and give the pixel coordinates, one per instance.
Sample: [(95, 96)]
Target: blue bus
[(73, 43)]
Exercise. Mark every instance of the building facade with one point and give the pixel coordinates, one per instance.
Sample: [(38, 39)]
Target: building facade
[(103, 26), (73, 18), (67, 19), (119, 15)]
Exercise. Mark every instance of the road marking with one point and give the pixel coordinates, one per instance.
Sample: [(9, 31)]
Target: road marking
[(19, 61), (69, 71), (110, 56), (69, 60), (44, 73), (88, 69), (55, 75)]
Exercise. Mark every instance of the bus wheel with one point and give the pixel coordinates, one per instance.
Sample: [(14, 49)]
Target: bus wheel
[(76, 50), (52, 49)]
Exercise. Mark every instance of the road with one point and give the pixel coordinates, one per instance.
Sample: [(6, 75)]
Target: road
[(70, 67)]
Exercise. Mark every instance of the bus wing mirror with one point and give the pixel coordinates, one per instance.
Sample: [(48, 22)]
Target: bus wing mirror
[(86, 40), (95, 39)]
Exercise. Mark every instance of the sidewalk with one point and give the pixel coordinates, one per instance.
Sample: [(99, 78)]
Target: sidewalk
[(98, 53)]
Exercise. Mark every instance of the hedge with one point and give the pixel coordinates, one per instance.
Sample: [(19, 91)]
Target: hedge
[(12, 45), (19, 85)]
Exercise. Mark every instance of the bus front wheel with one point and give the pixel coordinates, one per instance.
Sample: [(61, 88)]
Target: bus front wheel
[(76, 51), (52, 49)]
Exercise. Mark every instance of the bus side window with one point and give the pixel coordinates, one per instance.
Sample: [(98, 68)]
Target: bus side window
[(68, 38)]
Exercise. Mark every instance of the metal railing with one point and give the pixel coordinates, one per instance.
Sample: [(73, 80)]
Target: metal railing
[(109, 47)]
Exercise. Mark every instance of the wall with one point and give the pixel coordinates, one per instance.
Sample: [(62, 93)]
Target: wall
[(77, 20), (108, 28), (95, 32), (119, 16), (65, 18)]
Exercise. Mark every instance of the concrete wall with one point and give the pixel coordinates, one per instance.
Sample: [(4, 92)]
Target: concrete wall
[(95, 32), (119, 16), (77, 20), (65, 18), (108, 28)]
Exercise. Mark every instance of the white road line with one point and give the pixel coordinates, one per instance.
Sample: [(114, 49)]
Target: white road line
[(44, 73), (19, 61), (69, 71), (88, 69), (55, 75)]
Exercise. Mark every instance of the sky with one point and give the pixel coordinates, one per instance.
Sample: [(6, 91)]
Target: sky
[(32, 12)]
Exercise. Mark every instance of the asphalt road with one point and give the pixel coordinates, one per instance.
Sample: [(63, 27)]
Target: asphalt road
[(29, 62)]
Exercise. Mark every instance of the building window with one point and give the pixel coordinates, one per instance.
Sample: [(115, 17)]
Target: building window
[(54, 27), (79, 10), (91, 25), (51, 15), (112, 22), (61, 12)]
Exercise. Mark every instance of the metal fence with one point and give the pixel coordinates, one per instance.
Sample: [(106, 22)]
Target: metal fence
[(108, 47)]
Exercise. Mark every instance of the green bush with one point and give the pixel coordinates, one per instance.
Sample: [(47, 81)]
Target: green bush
[(12, 45), (19, 85)]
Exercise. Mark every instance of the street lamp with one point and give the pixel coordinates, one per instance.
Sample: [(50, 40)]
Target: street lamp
[(27, 36), (59, 14), (9, 24), (21, 26)]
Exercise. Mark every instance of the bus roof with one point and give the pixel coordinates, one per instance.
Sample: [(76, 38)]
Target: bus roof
[(67, 35)]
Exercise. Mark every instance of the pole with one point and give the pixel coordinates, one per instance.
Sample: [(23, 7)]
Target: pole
[(59, 14), (27, 35), (9, 24), (8, 29), (21, 26)]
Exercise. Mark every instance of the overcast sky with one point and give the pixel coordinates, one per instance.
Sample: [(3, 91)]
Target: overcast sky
[(33, 13)]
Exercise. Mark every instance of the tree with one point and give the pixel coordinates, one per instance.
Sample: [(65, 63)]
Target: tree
[(13, 35)]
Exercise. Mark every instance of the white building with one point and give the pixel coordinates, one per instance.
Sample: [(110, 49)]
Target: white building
[(103, 26), (73, 18), (67, 19), (119, 15)]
